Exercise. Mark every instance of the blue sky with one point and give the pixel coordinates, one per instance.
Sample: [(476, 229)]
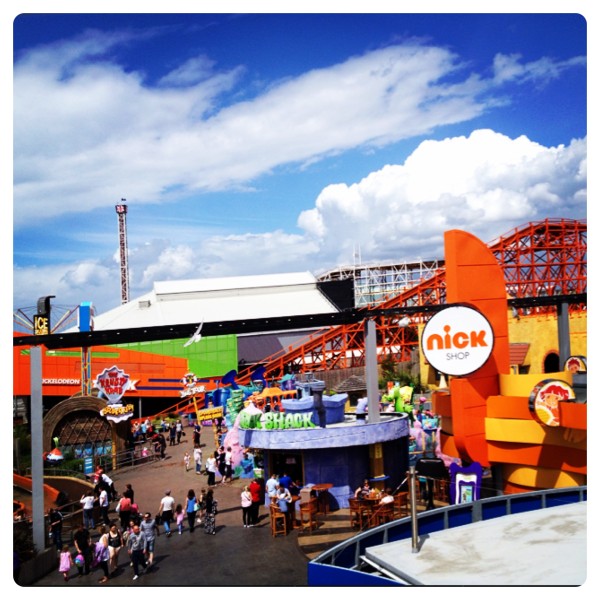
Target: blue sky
[(268, 143)]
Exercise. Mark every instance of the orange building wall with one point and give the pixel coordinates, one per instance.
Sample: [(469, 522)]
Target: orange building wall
[(474, 277), (485, 416), (156, 375)]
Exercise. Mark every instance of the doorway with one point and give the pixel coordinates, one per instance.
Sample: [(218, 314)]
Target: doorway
[(551, 363), (287, 462)]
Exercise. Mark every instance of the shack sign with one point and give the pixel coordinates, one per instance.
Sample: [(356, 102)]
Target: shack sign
[(457, 340)]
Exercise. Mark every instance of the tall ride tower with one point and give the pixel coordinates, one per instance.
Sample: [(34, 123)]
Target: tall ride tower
[(122, 215)]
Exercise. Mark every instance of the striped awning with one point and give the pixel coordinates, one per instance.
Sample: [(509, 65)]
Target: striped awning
[(517, 353)]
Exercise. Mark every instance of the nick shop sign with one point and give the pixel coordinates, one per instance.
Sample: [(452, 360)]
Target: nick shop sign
[(457, 340)]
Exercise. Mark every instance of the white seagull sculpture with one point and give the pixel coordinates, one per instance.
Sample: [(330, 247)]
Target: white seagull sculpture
[(196, 337)]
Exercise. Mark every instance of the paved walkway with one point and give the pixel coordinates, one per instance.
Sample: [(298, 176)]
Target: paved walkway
[(235, 556)]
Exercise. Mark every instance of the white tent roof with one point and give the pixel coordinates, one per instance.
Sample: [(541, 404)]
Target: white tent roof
[(220, 299)]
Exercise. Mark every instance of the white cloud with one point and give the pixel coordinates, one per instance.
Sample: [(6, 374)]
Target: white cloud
[(87, 132), (510, 68), (483, 183), (71, 284), (271, 252), (194, 70), (179, 260), (86, 129)]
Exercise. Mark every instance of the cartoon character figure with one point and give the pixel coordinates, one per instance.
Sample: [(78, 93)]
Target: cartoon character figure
[(575, 365), (546, 404)]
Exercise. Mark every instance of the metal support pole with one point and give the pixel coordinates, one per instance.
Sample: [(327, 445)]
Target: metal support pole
[(86, 372), (374, 415), (37, 449), (564, 339), (412, 478)]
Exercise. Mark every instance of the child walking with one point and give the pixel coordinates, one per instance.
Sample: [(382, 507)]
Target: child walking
[(179, 517), (65, 562), (186, 460)]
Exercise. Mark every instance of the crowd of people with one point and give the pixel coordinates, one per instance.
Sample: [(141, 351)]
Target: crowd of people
[(155, 435), (281, 491), (113, 523), (133, 530), (137, 531)]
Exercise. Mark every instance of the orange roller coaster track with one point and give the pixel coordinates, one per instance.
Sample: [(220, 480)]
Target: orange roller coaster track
[(545, 258)]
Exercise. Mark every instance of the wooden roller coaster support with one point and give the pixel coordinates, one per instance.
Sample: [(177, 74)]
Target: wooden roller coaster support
[(545, 258)]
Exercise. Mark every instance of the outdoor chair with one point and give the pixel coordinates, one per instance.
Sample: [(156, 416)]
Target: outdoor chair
[(359, 513), (308, 513), (278, 521), (401, 504)]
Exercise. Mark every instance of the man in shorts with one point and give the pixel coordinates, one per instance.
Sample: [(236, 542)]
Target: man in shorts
[(149, 528)]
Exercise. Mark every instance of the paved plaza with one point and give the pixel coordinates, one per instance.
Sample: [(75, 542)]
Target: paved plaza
[(235, 556)]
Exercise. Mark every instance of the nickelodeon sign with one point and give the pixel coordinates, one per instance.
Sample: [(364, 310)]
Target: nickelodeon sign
[(457, 341)]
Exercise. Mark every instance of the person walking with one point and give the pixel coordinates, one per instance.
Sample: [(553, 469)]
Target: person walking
[(272, 486), (136, 546), (178, 431), (129, 493), (285, 480), (186, 461), (202, 506), (179, 518), (197, 431), (115, 543), (102, 554), (228, 460), (149, 528), (55, 524), (103, 503), (211, 469), (191, 509), (246, 500), (83, 544), (167, 504), (210, 513), (108, 484), (221, 463), (162, 445), (198, 458), (255, 489), (87, 501), (65, 562), (172, 434), (124, 510)]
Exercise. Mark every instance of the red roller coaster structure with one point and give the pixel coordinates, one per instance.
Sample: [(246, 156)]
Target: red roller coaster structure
[(545, 258)]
